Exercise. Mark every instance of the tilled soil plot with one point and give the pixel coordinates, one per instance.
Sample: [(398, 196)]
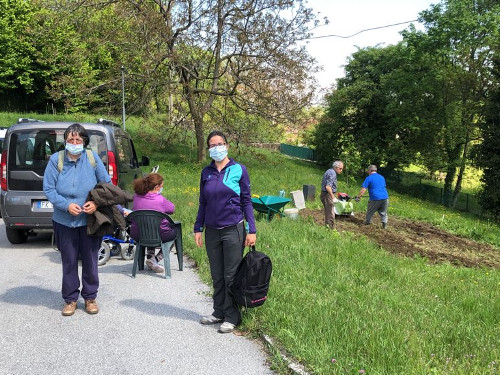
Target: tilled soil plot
[(408, 238)]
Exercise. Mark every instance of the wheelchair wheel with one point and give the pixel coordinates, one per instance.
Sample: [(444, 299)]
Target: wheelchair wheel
[(104, 253), (128, 252)]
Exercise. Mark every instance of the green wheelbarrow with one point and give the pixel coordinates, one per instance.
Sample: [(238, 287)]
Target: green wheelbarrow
[(269, 205)]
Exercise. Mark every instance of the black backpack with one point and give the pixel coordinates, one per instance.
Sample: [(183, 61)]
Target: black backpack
[(251, 282)]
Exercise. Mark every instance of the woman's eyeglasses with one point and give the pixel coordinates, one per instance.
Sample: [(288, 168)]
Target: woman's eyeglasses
[(218, 144)]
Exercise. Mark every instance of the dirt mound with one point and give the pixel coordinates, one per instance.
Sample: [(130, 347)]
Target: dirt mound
[(409, 238)]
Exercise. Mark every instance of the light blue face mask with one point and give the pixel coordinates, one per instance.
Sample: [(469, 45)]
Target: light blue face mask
[(160, 191), (74, 149), (218, 153)]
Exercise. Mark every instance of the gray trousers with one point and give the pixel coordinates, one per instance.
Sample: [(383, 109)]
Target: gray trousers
[(328, 204), (225, 250), (379, 206)]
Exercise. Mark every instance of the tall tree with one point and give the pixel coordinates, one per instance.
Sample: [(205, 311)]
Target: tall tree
[(422, 99), (378, 110), (245, 50), (16, 53), (458, 40), (489, 150)]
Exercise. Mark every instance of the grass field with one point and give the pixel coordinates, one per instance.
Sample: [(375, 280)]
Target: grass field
[(341, 304)]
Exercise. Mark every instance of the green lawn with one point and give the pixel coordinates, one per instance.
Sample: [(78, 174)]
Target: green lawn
[(338, 303)]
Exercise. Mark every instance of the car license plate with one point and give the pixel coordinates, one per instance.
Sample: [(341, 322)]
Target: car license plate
[(44, 204)]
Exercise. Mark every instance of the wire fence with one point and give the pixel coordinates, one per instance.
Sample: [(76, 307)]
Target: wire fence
[(298, 152), (414, 185), (407, 183)]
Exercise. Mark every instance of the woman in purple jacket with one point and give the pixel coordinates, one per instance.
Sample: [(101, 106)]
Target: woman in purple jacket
[(148, 197), (225, 201)]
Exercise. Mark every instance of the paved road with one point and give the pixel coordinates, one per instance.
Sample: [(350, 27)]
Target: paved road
[(147, 325)]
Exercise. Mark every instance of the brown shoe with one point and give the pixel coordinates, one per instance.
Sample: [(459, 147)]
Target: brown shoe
[(91, 306), (69, 308)]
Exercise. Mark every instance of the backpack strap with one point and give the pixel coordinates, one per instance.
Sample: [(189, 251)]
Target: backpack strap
[(90, 156), (60, 161)]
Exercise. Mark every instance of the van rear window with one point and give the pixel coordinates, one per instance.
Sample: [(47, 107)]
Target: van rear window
[(30, 150)]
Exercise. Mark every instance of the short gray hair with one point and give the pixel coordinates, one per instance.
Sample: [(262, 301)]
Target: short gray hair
[(372, 168), (337, 164)]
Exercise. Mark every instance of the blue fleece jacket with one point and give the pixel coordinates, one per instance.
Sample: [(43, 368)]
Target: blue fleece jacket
[(72, 185), (225, 197)]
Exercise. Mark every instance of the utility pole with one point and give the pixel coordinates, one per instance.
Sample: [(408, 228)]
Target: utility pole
[(123, 96)]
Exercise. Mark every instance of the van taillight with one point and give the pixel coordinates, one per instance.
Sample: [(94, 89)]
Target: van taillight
[(3, 171), (112, 169)]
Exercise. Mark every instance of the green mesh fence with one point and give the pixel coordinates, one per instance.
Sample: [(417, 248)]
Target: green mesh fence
[(298, 152)]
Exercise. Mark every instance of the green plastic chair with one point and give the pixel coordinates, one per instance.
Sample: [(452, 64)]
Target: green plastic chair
[(148, 223)]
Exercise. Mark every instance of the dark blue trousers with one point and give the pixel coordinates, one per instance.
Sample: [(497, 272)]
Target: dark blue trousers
[(225, 250), (74, 242)]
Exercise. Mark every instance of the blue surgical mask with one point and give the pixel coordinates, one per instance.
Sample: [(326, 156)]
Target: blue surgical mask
[(218, 153), (161, 189), (74, 149)]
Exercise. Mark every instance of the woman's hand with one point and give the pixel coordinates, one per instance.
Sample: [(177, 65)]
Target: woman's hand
[(74, 209), (89, 207), (198, 238), (250, 239)]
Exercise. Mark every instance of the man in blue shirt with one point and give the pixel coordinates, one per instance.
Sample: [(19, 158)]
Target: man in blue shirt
[(379, 198)]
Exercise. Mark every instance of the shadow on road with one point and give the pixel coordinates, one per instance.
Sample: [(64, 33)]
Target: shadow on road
[(32, 296), (161, 309)]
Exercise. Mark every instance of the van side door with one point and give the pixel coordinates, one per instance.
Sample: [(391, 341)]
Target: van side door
[(128, 165)]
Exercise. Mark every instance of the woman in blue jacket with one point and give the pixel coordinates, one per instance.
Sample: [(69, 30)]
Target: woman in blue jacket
[(225, 201), (68, 190)]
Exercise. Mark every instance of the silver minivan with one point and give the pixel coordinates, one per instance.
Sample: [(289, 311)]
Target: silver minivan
[(28, 146)]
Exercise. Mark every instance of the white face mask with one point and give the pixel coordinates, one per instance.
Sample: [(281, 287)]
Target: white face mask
[(218, 153)]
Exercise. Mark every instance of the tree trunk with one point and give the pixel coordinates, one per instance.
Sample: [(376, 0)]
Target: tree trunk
[(197, 120), (451, 171), (448, 185), (458, 186)]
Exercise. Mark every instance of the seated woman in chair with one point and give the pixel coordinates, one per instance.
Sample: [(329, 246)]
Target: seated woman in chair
[(148, 197)]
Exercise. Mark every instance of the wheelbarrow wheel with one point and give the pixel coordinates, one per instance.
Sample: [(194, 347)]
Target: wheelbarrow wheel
[(128, 252), (104, 253)]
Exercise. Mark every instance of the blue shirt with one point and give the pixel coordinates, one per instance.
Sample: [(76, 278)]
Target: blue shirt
[(375, 184), (225, 197), (72, 185)]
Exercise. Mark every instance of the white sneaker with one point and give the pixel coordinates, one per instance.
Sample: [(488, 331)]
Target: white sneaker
[(151, 263), (226, 327), (158, 267), (210, 320)]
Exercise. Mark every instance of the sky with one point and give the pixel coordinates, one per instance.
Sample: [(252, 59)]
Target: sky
[(348, 17)]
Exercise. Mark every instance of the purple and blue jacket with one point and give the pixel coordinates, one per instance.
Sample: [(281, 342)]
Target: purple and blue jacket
[(225, 197)]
